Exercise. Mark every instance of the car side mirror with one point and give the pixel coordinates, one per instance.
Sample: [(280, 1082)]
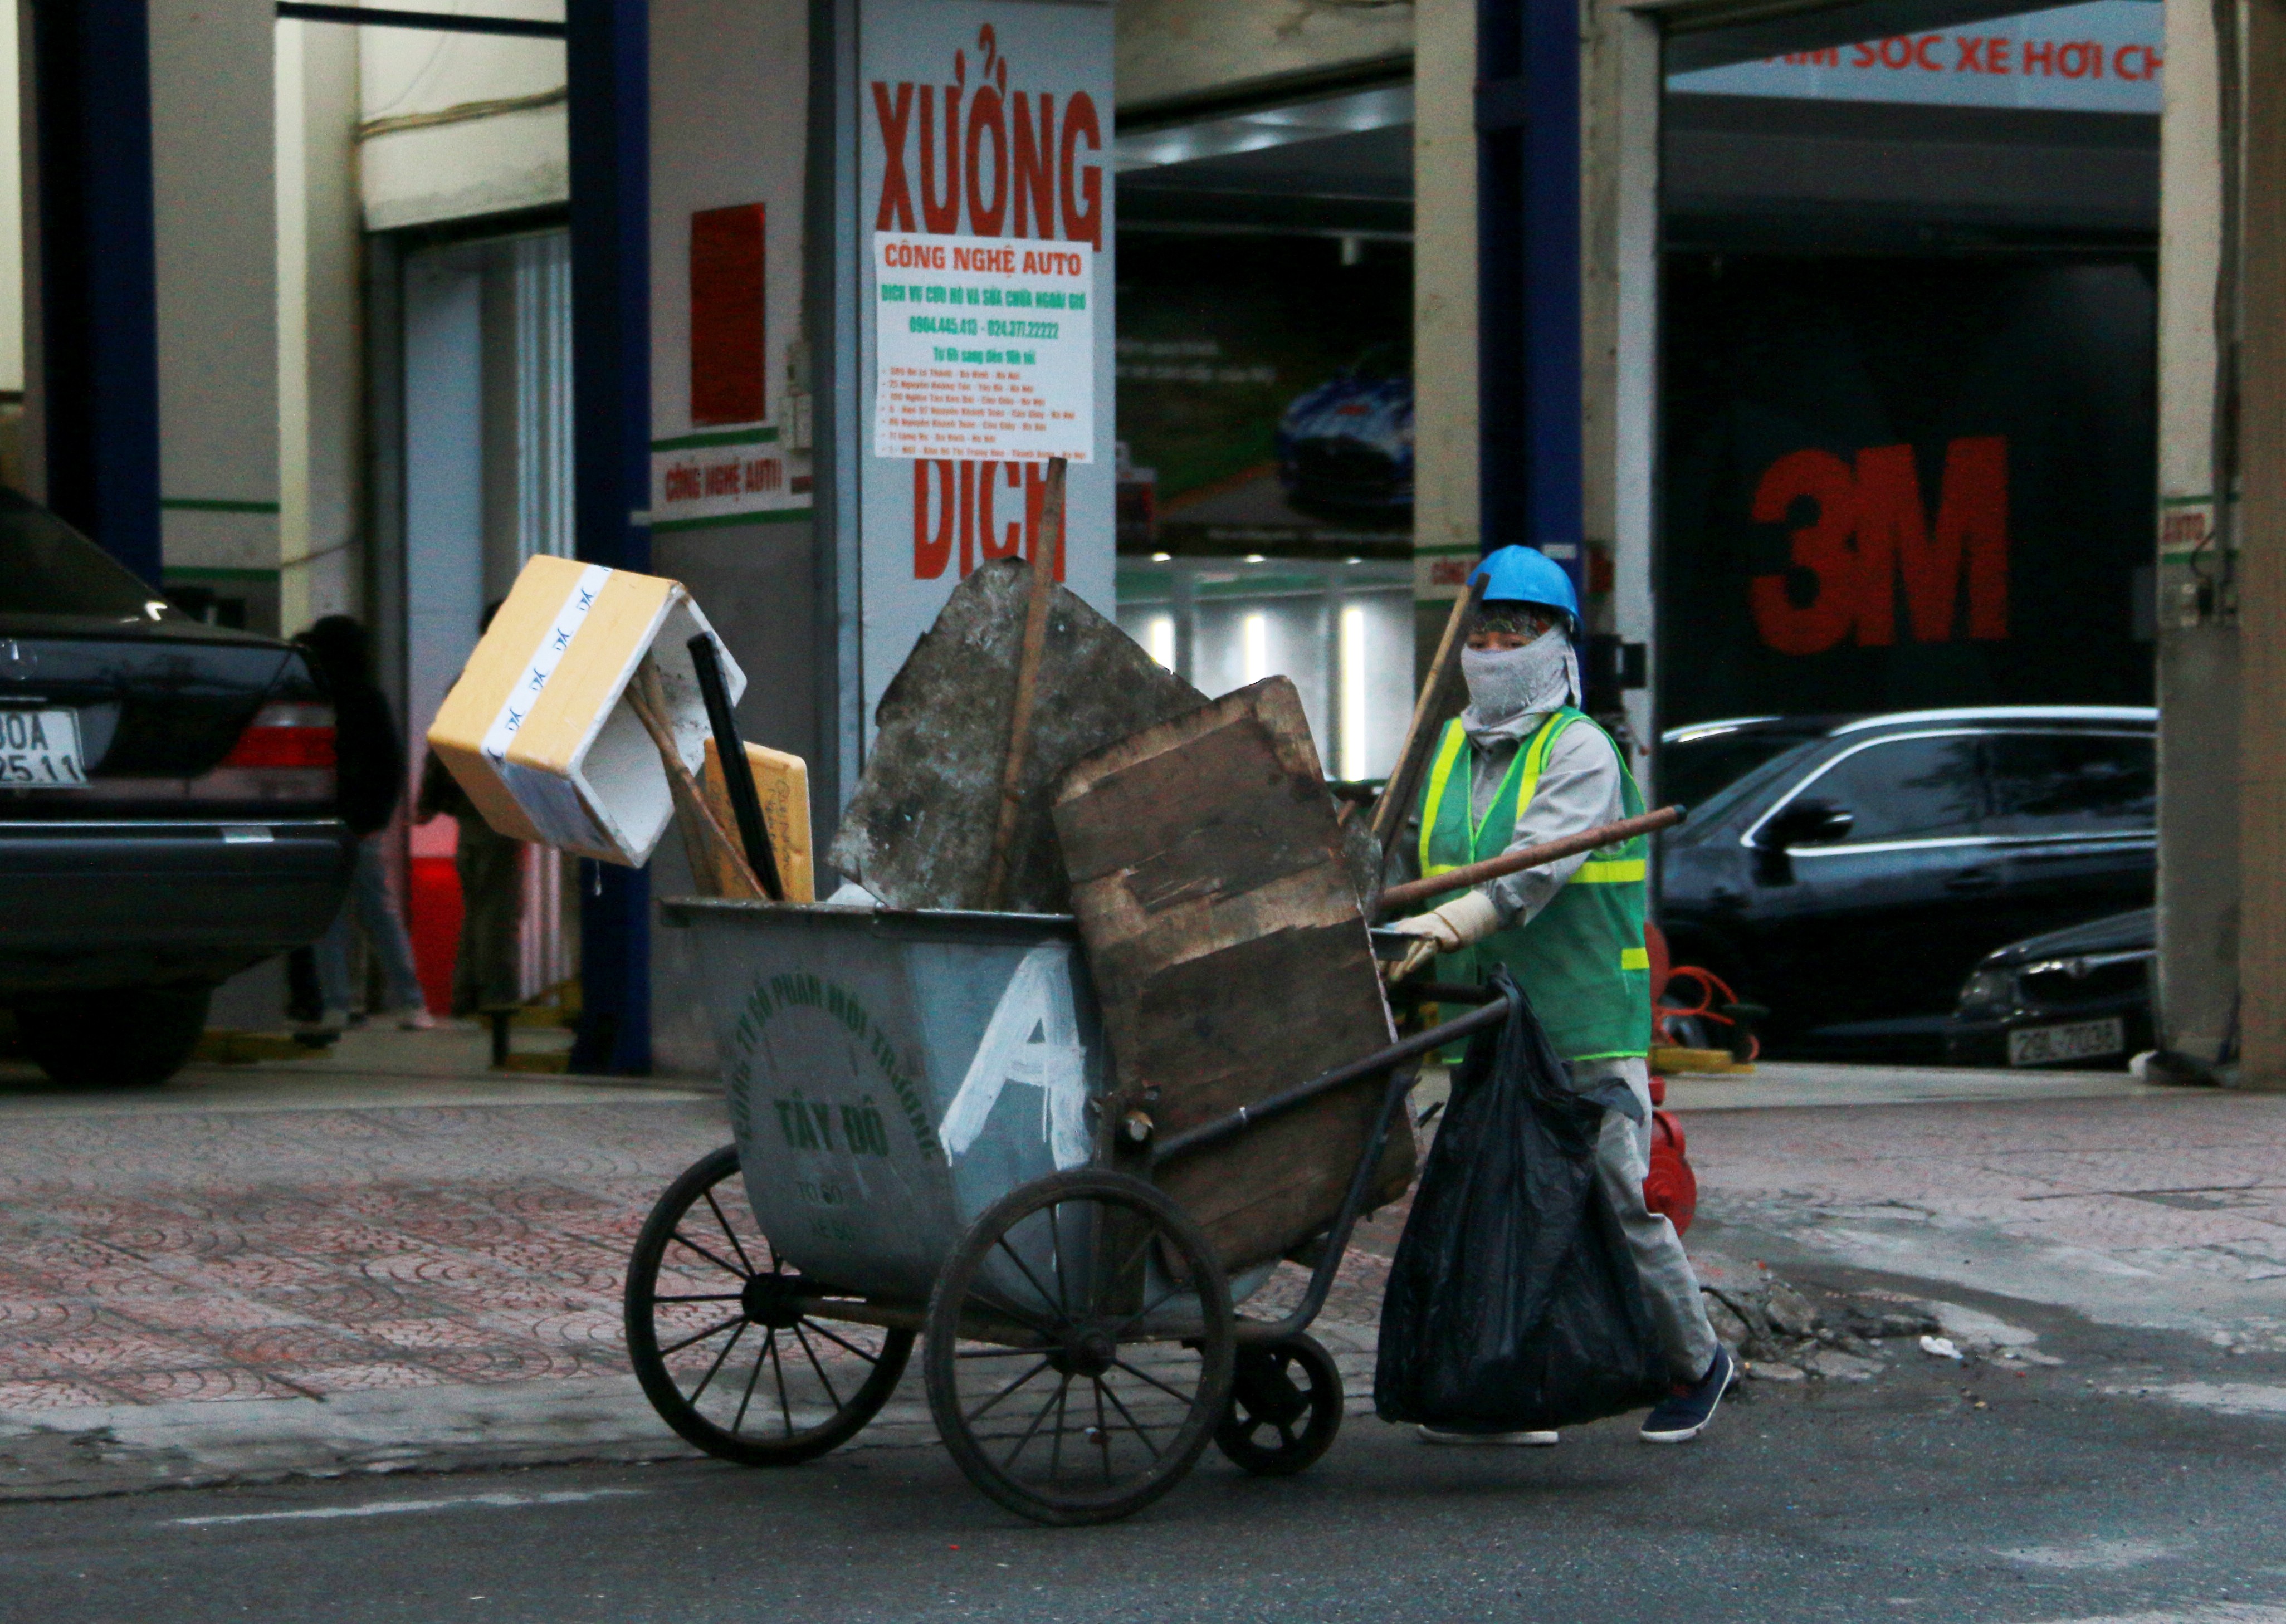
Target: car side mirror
[(1811, 821)]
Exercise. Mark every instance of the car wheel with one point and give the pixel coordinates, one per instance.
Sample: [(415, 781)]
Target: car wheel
[(122, 1037)]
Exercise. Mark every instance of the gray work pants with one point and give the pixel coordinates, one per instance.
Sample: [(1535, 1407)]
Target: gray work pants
[(1622, 1160)]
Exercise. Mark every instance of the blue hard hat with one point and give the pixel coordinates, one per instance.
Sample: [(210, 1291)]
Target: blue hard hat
[(1527, 575)]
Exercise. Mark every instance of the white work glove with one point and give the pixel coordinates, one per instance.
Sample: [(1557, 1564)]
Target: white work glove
[(1463, 922)]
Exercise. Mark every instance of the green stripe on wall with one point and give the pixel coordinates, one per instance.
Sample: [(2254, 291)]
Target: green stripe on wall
[(774, 515), (726, 437), (213, 504)]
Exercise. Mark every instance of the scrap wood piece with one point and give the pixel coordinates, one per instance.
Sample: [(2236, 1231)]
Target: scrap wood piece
[(782, 783), (717, 866), (918, 833), (1229, 954)]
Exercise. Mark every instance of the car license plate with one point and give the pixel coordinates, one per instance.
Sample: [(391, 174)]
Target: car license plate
[(39, 749), (2079, 1040)]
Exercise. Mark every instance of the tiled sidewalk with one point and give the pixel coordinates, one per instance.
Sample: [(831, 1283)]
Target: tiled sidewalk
[(241, 1254), (259, 1271)]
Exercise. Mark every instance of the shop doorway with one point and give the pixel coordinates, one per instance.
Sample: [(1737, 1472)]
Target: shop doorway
[(487, 481)]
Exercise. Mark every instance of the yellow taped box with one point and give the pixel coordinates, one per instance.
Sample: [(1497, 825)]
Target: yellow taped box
[(538, 729), (781, 784)]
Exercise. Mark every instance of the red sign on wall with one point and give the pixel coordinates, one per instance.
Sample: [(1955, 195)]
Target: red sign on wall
[(726, 320)]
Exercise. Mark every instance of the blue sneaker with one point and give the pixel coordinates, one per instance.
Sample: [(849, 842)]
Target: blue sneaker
[(1684, 1413)]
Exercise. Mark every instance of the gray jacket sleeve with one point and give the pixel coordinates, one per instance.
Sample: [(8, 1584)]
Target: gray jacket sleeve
[(1580, 788)]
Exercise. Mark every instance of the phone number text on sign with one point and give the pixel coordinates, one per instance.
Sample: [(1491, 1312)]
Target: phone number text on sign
[(982, 348)]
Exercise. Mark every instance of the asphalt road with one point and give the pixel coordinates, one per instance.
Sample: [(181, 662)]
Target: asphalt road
[(1985, 1492)]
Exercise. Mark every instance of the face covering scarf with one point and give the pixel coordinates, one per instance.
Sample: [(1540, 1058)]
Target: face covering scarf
[(1504, 683)]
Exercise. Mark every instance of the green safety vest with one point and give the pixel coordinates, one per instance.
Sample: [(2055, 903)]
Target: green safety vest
[(1582, 959)]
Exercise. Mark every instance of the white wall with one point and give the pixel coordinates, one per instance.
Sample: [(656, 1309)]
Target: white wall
[(1173, 49), (461, 124)]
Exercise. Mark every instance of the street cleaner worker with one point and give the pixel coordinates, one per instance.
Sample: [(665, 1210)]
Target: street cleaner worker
[(1520, 766)]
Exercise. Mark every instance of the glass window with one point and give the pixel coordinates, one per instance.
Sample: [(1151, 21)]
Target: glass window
[(1693, 770), (1906, 789), (48, 568), (2071, 783)]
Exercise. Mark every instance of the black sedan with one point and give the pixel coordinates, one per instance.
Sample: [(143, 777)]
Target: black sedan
[(1696, 761), (1853, 880), (166, 808), (2072, 998)]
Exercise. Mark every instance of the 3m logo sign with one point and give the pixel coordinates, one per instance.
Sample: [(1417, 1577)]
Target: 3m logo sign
[(1868, 533)]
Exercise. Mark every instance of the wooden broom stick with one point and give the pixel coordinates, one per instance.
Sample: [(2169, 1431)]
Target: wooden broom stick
[(1421, 736), (716, 864), (1045, 559)]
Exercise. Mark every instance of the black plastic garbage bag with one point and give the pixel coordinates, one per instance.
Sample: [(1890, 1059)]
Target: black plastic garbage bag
[(1513, 1302)]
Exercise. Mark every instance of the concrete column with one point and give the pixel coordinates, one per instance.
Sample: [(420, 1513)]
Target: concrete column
[(730, 99), (1618, 254), (214, 195), (12, 463), (2262, 575), (321, 342), (2198, 643), (1444, 455), (607, 60)]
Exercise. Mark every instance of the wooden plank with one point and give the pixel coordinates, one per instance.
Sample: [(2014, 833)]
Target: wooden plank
[(782, 783), (1230, 957), (717, 866)]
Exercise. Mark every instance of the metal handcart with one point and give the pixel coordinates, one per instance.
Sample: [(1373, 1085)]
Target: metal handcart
[(916, 1101)]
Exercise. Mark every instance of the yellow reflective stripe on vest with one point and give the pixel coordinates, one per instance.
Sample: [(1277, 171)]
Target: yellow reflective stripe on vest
[(1634, 959), (1611, 871), (1535, 758), (1448, 750)]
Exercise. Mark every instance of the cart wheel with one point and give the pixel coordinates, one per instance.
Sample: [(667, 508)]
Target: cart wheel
[(1278, 1425), (1079, 1348), (732, 1346)]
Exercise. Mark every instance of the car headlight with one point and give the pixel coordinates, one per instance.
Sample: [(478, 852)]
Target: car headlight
[(1987, 991)]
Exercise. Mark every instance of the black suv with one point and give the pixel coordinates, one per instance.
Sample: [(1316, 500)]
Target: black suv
[(167, 799), (1852, 881)]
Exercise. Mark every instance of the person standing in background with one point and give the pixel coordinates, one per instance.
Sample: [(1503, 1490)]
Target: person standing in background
[(369, 755), (487, 971)]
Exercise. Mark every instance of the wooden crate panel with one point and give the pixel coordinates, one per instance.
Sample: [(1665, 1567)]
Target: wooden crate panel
[(1229, 953)]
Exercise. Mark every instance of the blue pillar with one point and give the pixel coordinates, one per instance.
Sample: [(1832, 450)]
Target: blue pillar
[(607, 57), (98, 276), (1528, 275)]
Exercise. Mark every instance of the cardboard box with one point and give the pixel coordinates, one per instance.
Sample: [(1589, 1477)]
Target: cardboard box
[(781, 784), (538, 729)]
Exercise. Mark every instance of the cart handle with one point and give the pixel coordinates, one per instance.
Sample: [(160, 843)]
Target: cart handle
[(1421, 1043), (1258, 1332), (1528, 857)]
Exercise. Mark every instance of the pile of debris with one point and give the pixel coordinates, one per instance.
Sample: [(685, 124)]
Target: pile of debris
[(1785, 1336)]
